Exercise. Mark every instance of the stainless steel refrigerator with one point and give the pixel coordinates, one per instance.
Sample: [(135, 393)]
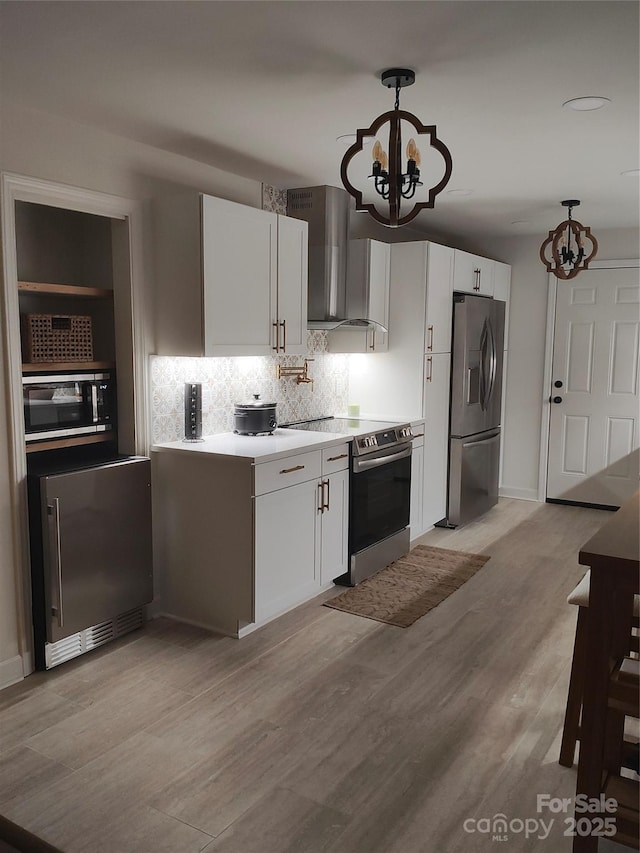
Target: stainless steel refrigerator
[(91, 554), (476, 396)]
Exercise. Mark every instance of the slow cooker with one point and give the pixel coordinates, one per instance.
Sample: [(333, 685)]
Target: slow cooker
[(255, 417)]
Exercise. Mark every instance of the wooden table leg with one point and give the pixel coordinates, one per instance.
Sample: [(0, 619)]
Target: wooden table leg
[(594, 708)]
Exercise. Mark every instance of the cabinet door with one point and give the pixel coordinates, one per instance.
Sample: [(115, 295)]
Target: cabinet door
[(335, 526), (287, 548), (436, 437), (239, 269), (417, 488), (97, 534), (365, 339), (368, 274), (379, 265), (293, 272), (439, 298), (502, 290), (472, 274)]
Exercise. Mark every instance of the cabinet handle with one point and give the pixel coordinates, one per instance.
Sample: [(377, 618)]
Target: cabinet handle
[(325, 504), (289, 470), (430, 333), (430, 373), (372, 345), (335, 458), (55, 512), (320, 496), (477, 273), (417, 435), (276, 337), (283, 325)]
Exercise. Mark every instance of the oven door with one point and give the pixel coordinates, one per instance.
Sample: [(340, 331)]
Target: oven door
[(380, 496)]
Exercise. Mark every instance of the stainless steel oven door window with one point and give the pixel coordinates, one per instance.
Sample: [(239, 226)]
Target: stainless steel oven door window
[(67, 405), (380, 496)]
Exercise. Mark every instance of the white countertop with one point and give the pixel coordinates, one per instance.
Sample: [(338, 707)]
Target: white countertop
[(257, 448)]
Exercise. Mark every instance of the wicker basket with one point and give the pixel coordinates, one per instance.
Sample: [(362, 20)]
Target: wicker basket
[(56, 337)]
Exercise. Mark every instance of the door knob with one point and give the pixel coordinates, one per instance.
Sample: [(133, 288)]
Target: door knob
[(557, 383), (556, 399)]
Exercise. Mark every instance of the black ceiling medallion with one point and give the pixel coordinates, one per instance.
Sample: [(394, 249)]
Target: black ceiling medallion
[(394, 184), (563, 252)]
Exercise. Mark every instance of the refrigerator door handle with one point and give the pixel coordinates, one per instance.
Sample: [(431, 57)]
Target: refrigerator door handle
[(492, 439), (483, 372), (54, 510), (493, 361)]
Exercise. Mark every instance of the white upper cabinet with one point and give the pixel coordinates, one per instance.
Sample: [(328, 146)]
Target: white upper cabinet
[(240, 275), (439, 298), (502, 290), (472, 273), (230, 279), (292, 289), (368, 270)]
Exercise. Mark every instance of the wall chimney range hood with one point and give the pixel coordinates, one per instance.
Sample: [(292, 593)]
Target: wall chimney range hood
[(332, 302)]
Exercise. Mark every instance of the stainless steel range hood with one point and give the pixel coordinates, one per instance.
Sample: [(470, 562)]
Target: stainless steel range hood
[(333, 300)]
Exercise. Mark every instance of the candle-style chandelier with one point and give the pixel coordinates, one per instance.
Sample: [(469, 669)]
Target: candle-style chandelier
[(563, 252), (393, 184)]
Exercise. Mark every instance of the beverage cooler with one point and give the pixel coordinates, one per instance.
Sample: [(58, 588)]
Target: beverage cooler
[(91, 552)]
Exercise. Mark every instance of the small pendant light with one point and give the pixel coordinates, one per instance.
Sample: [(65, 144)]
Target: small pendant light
[(563, 252)]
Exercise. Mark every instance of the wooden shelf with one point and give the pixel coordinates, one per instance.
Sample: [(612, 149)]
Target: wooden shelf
[(46, 366), (65, 290), (72, 441)]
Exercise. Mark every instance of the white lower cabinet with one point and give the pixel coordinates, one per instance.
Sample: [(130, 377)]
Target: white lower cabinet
[(417, 482), (334, 524), (237, 543), (287, 547), (301, 531), (436, 438)]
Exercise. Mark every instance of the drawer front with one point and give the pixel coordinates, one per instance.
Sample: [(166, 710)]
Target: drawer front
[(288, 471), (335, 458)]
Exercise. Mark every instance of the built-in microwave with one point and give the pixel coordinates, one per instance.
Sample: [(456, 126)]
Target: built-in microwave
[(62, 405)]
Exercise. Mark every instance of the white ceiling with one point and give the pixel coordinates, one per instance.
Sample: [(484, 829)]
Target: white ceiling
[(263, 88)]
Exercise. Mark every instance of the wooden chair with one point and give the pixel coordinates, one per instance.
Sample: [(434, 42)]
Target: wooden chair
[(571, 731)]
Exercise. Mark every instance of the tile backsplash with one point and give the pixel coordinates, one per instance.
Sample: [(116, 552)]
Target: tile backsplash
[(227, 381)]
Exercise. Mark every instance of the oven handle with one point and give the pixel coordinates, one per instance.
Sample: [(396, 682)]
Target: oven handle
[(365, 464)]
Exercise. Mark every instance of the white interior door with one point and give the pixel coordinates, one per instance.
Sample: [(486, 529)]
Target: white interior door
[(593, 438)]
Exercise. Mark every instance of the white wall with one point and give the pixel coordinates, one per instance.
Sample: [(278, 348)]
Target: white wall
[(525, 372), (47, 147)]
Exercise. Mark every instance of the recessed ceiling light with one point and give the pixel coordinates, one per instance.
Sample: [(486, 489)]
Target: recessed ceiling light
[(460, 192), (631, 173), (592, 102)]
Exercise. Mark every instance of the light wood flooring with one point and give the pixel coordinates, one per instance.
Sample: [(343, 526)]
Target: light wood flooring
[(322, 731)]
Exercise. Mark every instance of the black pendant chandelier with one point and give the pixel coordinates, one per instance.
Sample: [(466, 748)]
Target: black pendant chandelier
[(392, 183), (563, 252)]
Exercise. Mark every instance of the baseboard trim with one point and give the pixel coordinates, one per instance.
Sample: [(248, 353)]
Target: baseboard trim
[(11, 671), (520, 494), (608, 507)]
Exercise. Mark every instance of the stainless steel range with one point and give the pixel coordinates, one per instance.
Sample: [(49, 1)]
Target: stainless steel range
[(379, 491)]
